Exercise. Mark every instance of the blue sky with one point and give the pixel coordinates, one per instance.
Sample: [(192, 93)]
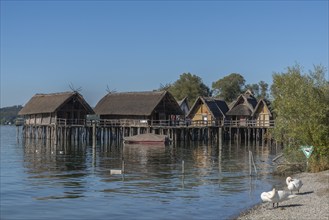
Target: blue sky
[(139, 45)]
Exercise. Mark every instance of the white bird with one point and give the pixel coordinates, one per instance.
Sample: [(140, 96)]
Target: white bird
[(275, 196), (293, 184)]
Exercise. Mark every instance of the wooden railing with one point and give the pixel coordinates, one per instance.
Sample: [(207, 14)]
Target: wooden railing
[(19, 121), (248, 123), (65, 122), (181, 123), (160, 123)]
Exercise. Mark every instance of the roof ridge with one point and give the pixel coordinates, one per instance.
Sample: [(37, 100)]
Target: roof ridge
[(136, 92), (55, 93)]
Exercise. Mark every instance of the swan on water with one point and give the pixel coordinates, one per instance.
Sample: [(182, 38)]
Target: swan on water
[(275, 196), (293, 184)]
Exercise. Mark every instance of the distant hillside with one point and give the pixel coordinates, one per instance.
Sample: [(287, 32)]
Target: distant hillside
[(9, 114)]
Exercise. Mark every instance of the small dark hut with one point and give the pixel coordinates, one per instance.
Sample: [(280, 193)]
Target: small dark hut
[(152, 108), (242, 109), (208, 111), (56, 108), (262, 113)]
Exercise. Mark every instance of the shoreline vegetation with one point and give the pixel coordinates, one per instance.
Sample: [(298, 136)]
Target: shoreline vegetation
[(312, 201), (301, 109)]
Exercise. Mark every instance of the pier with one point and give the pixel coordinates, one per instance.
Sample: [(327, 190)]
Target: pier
[(67, 117), (105, 131)]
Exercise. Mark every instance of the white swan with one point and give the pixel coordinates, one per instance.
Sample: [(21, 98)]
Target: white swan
[(275, 196), (293, 184)]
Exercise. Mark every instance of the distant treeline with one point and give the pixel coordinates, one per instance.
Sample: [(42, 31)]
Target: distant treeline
[(8, 115)]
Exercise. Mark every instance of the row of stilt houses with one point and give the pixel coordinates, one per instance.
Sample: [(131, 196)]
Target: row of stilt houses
[(67, 116)]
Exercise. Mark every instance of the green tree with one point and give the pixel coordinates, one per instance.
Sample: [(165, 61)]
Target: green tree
[(263, 90), (259, 90), (229, 87), (301, 105), (188, 85)]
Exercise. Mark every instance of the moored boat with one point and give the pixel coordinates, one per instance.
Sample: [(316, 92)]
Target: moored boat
[(148, 138)]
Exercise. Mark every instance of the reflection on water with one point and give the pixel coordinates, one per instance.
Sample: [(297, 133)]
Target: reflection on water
[(56, 167), (200, 180), (147, 168)]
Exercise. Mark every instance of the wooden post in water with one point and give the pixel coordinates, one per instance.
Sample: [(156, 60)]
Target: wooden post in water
[(220, 135), (123, 167), (251, 161), (55, 135), (263, 138), (245, 136), (94, 134), (209, 136), (248, 136), (17, 132)]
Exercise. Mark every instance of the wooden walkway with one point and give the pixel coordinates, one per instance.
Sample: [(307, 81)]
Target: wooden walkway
[(105, 130)]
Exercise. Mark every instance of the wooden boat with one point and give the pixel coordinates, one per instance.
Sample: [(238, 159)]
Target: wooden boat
[(148, 138)]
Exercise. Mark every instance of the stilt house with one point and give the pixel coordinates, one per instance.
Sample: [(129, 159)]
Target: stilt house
[(262, 113), (56, 108), (208, 111), (132, 108), (243, 108)]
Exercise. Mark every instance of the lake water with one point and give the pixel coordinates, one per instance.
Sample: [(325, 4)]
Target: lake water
[(195, 181)]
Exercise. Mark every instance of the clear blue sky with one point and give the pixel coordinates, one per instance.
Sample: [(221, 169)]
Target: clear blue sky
[(139, 45)]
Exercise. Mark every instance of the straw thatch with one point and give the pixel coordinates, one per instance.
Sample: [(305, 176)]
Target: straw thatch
[(243, 106), (138, 104), (50, 103), (240, 110)]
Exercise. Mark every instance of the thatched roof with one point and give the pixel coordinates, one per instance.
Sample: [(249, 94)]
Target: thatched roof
[(49, 103), (244, 105), (136, 103), (216, 107), (240, 109)]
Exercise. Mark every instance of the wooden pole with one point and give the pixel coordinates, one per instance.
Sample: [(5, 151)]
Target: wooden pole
[(123, 167), (94, 134), (220, 133)]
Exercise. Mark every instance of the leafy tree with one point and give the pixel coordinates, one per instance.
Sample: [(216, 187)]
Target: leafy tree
[(263, 89), (259, 90), (188, 85), (229, 87), (301, 105)]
